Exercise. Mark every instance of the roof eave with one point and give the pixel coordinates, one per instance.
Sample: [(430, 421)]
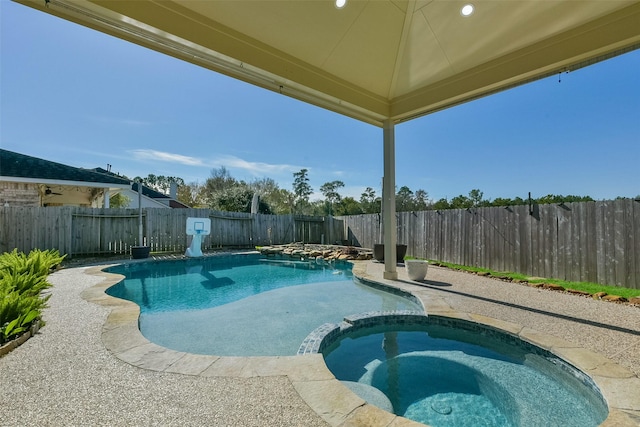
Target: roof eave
[(62, 182)]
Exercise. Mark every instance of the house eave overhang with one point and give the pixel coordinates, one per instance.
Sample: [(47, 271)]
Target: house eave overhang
[(63, 183)]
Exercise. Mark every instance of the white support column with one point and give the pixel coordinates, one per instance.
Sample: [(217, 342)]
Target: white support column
[(107, 195), (389, 201)]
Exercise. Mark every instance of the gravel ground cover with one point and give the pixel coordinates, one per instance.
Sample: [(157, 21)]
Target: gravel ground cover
[(64, 376)]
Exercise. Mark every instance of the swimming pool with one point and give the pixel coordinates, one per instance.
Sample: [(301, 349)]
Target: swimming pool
[(244, 305), (455, 373)]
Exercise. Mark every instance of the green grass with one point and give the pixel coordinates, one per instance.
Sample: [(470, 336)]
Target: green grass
[(592, 288)]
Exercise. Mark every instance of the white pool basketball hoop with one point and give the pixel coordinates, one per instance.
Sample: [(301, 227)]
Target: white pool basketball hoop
[(197, 227)]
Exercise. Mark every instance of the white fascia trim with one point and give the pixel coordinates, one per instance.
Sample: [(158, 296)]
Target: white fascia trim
[(65, 183)]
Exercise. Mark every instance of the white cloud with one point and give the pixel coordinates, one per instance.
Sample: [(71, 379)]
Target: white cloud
[(167, 157), (255, 168), (232, 163)]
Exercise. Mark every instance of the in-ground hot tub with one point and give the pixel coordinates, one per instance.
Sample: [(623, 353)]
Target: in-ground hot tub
[(450, 372)]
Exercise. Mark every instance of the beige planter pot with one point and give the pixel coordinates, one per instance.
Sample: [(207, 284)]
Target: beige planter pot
[(416, 268)]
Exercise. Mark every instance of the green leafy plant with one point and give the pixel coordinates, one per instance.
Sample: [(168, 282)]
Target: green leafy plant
[(37, 262), (23, 279), (19, 325)]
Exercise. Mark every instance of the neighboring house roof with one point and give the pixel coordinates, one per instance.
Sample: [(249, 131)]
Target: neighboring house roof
[(16, 167), (177, 205), (153, 194), (146, 191), (33, 169)]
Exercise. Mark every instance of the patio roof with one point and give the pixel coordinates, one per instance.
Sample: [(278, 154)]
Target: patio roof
[(372, 60)]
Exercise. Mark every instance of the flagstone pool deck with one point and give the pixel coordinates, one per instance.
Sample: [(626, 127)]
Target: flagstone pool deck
[(91, 366)]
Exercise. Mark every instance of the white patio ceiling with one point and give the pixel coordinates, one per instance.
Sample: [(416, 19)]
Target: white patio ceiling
[(372, 60)]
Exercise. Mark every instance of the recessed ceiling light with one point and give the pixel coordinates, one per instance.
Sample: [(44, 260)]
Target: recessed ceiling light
[(341, 3), (467, 10)]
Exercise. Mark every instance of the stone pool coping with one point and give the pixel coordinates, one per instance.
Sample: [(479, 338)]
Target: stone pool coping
[(316, 385)]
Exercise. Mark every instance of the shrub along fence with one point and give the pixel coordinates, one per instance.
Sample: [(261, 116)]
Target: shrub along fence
[(589, 241)]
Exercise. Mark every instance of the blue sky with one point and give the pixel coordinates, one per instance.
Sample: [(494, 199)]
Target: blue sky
[(75, 96)]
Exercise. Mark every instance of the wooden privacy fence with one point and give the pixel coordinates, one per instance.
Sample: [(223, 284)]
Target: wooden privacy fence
[(589, 241), (79, 231)]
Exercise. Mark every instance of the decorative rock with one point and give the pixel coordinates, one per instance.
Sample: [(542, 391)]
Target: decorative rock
[(634, 300), (614, 298), (577, 292), (599, 295), (313, 251), (483, 273), (553, 287)]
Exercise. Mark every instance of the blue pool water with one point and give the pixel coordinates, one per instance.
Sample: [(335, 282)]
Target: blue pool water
[(244, 305), (443, 376)]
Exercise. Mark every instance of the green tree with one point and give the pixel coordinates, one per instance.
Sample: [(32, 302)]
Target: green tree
[(476, 198), (348, 206), (220, 179), (236, 199), (264, 186), (460, 202), (404, 199), (281, 201), (317, 208), (301, 191), (500, 201), (271, 194), (331, 195), (369, 202), (192, 195), (421, 200), (119, 200), (163, 183), (441, 204), (159, 183), (556, 198)]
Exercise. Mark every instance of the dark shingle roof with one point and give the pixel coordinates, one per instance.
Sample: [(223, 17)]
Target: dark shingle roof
[(146, 191), (23, 166)]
